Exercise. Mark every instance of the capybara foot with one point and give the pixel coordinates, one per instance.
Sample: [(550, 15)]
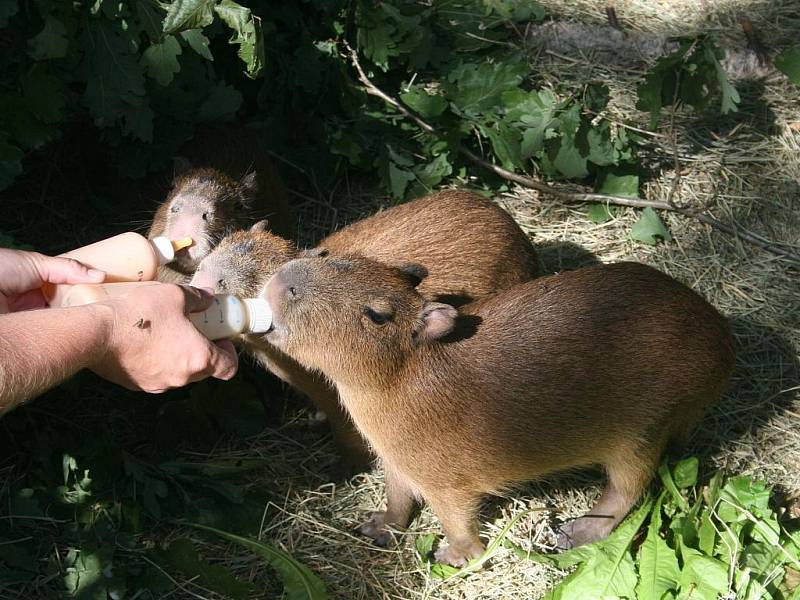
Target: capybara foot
[(584, 530), (457, 555), (375, 529)]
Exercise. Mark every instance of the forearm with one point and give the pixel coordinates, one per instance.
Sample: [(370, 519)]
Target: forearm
[(41, 348)]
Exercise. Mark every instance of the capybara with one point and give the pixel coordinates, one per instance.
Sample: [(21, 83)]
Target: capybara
[(227, 184), (469, 246), (603, 365)]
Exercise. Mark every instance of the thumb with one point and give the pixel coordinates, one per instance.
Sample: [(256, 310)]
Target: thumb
[(65, 270), (196, 299)]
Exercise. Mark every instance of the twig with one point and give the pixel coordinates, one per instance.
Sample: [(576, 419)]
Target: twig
[(569, 196)]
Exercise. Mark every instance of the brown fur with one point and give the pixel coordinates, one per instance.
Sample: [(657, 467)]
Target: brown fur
[(469, 246), (603, 365), (221, 159)]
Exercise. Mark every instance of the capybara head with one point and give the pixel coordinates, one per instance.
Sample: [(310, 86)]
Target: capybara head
[(205, 204), (334, 313), (243, 262)]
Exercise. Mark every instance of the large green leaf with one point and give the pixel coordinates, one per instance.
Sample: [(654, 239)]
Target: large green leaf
[(188, 14), (299, 582), (160, 60), (605, 569), (702, 577), (658, 566), (247, 34), (427, 105)]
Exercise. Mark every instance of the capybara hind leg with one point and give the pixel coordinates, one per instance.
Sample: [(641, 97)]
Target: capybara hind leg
[(458, 513), (627, 479), (399, 505)]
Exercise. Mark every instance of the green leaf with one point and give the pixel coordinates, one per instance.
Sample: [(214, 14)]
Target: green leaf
[(706, 533), (50, 42), (474, 88), (425, 104), (115, 79), (399, 180), (505, 143), (43, 95), (300, 583), (222, 103), (649, 229), (624, 186), (658, 565), (685, 472), (702, 577), (605, 569), (181, 555), (247, 34), (788, 63), (197, 42), (730, 97), (8, 8), (188, 14), (600, 213), (160, 60)]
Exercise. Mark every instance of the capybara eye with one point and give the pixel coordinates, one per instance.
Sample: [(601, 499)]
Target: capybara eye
[(174, 209), (293, 292), (205, 216), (323, 253), (377, 317), (221, 283)]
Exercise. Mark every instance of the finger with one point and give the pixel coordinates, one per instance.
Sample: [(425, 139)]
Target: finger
[(224, 360), (51, 269), (196, 299)]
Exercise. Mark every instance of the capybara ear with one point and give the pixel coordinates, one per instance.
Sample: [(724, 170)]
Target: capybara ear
[(260, 226), (437, 321), (414, 273), (180, 166), (250, 186)]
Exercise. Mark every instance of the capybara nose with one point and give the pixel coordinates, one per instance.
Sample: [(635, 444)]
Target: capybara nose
[(204, 278)]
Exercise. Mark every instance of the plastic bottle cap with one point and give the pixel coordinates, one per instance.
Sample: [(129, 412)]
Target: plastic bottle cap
[(164, 249), (260, 314), (181, 243)]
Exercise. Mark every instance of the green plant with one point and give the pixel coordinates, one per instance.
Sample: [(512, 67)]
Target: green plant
[(722, 539)]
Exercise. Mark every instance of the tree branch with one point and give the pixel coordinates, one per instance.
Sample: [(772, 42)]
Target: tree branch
[(569, 196)]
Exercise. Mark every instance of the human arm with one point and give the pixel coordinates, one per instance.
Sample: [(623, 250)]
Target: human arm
[(140, 340)]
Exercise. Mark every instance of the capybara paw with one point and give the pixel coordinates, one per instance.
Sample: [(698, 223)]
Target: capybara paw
[(375, 529), (458, 556), (581, 531)]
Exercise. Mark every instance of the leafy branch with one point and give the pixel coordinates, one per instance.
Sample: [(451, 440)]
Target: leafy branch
[(701, 214)]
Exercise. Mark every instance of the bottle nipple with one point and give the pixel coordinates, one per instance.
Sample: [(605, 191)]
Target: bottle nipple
[(182, 243)]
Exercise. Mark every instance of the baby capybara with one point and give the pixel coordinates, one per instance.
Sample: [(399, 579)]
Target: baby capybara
[(228, 184), (469, 246), (603, 365)]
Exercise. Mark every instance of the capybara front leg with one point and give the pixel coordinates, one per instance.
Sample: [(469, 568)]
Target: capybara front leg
[(399, 506)]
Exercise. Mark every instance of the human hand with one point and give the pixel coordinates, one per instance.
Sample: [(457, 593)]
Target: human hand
[(22, 275), (152, 346)]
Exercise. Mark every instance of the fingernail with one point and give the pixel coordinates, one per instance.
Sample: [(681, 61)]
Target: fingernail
[(96, 274)]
